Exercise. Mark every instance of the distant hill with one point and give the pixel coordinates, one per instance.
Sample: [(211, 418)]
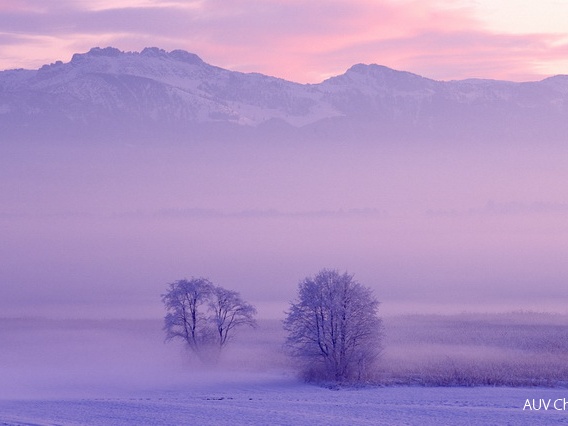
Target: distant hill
[(108, 93)]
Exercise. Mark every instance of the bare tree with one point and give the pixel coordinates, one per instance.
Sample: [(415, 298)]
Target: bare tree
[(334, 328), (185, 301), (203, 315), (229, 311)]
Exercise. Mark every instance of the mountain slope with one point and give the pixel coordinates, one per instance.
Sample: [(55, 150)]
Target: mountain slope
[(109, 92)]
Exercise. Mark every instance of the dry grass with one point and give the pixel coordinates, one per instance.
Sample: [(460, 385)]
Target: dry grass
[(517, 349)]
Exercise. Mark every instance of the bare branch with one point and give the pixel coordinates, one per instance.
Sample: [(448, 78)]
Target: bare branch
[(204, 315)]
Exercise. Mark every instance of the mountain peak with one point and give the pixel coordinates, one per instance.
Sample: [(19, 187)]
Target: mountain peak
[(154, 52), (183, 56), (369, 69), (379, 77), (148, 52), (97, 52), (177, 55), (382, 72)]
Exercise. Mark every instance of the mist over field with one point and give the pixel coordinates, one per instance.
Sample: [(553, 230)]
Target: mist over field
[(89, 358), (68, 359), (100, 230)]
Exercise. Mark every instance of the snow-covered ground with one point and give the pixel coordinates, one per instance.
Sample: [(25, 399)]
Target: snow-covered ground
[(120, 373), (278, 400)]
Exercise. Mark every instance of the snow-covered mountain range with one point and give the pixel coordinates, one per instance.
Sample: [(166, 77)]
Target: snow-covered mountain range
[(109, 92)]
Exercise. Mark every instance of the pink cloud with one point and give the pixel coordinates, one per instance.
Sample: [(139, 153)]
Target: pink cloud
[(297, 40), (307, 42), (15, 5), (465, 54)]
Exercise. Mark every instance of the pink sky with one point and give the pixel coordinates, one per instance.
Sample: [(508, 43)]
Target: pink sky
[(302, 41)]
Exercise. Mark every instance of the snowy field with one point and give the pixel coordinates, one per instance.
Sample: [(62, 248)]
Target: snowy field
[(65, 372), (265, 400)]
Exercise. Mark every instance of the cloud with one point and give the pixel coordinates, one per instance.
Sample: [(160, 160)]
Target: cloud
[(300, 41), (467, 54)]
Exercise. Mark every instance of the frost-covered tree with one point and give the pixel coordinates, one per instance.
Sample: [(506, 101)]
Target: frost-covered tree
[(186, 303), (229, 312), (333, 327), (204, 315)]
